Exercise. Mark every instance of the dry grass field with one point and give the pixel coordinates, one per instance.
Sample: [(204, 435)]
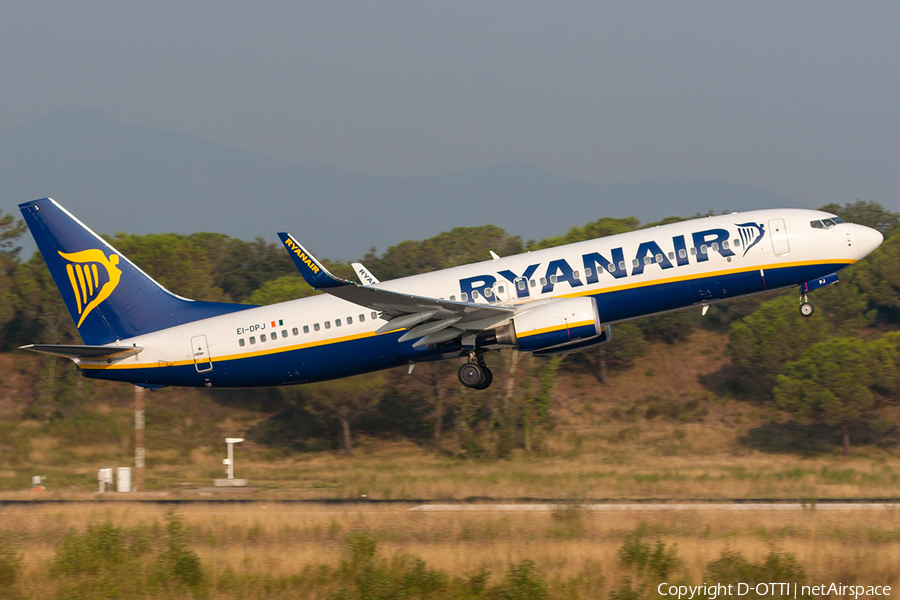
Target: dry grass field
[(246, 549)]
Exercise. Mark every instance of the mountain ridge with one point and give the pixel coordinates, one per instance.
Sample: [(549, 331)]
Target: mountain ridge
[(119, 177)]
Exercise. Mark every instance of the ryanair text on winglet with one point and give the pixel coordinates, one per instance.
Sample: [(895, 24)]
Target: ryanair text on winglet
[(301, 255)]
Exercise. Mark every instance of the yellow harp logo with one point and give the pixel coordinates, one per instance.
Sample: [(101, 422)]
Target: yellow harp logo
[(86, 280)]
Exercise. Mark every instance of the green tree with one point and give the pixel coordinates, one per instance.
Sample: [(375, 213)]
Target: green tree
[(11, 230), (459, 246), (239, 267), (763, 343), (283, 289), (602, 227), (178, 262), (346, 400), (830, 384), (868, 213), (878, 275)]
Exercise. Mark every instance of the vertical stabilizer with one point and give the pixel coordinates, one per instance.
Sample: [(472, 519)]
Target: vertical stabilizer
[(108, 297)]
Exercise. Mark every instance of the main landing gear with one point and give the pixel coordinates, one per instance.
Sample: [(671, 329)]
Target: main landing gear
[(806, 308), (475, 374)]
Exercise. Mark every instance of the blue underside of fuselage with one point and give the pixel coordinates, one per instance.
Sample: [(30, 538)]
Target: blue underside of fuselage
[(341, 359)]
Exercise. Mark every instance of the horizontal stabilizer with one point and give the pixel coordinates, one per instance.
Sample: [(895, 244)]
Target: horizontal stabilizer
[(85, 352)]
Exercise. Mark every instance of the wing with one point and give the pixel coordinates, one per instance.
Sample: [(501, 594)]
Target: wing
[(429, 320)]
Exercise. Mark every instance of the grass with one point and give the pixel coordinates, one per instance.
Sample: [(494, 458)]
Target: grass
[(663, 436), (577, 553)]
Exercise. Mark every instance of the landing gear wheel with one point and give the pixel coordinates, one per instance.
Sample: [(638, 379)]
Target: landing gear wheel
[(807, 309), (488, 379), (472, 375)]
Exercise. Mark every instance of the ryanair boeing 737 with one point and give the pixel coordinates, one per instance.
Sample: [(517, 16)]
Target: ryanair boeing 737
[(545, 302)]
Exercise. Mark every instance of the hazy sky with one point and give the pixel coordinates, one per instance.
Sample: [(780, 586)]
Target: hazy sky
[(802, 98)]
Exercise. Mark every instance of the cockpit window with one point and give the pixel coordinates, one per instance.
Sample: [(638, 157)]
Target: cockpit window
[(826, 223)]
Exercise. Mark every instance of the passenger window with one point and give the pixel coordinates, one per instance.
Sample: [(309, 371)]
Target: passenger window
[(521, 284), (703, 249), (241, 342), (715, 246), (487, 293), (543, 281), (648, 260), (693, 251), (374, 315), (621, 265), (362, 318), (295, 331), (501, 289), (274, 335), (316, 326), (262, 337), (575, 275), (532, 283), (736, 243), (553, 279), (464, 297), (659, 258), (349, 320), (453, 298), (284, 333), (611, 267), (682, 253), (337, 322), (671, 256), (474, 295), (252, 340), (635, 263), (327, 324), (588, 271), (725, 245)]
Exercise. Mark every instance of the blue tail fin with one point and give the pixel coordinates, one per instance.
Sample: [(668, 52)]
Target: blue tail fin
[(109, 298)]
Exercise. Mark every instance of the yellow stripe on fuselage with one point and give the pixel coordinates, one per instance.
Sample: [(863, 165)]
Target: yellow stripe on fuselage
[(650, 282), (215, 359)]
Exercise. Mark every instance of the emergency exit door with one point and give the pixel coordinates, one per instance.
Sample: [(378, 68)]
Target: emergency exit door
[(200, 351)]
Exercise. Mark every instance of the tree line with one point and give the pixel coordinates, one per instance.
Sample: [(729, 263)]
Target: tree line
[(836, 369)]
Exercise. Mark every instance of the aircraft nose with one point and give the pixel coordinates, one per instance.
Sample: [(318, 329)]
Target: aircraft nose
[(867, 239)]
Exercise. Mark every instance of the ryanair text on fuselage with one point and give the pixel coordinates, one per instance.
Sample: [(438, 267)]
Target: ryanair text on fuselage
[(594, 264)]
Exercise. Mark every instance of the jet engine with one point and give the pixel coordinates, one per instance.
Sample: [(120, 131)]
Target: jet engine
[(555, 323)]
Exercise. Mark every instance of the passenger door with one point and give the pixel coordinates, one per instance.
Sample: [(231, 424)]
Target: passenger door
[(779, 237)]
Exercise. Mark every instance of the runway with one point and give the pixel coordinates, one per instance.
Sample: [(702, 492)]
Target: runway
[(659, 507)]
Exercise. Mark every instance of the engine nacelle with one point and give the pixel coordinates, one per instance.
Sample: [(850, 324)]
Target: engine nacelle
[(551, 324)]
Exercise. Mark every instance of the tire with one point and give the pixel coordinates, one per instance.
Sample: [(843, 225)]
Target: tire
[(488, 379), (471, 375), (807, 309)]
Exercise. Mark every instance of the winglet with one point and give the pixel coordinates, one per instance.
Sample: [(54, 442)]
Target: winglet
[(311, 269), (365, 276)]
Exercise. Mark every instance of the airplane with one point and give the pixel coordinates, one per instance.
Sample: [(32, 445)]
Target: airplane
[(549, 301)]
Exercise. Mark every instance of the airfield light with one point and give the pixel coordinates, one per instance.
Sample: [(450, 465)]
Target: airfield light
[(229, 462)]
